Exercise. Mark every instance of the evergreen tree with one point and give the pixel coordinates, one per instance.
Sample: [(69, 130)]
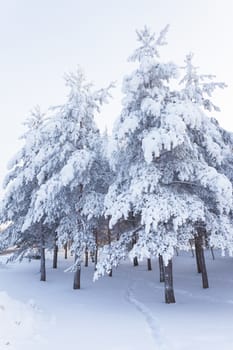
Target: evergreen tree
[(214, 146), (65, 165), (166, 163), (72, 173), (20, 184)]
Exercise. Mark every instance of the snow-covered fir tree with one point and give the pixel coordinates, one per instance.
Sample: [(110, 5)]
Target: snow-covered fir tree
[(20, 184), (72, 193), (66, 168), (214, 146), (167, 158)]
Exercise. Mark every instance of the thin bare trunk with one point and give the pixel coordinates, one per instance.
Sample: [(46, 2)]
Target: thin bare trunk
[(134, 241), (92, 256), (198, 258), (96, 247), (212, 253), (161, 269), (169, 291), (96, 257), (149, 266), (135, 261), (66, 250), (55, 253), (42, 265), (86, 258), (77, 276), (109, 245), (201, 257), (191, 246), (42, 255)]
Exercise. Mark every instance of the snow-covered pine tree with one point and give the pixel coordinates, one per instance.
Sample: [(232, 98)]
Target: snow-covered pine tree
[(56, 183), (20, 183), (226, 165), (163, 176), (72, 178), (214, 146)]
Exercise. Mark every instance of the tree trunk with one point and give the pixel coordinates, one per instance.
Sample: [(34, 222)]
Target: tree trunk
[(199, 247), (161, 269), (212, 253), (134, 241), (149, 267), (77, 276), (205, 283), (96, 257), (96, 247), (169, 292), (198, 258), (109, 245), (191, 246), (55, 253), (42, 256), (42, 265), (118, 233), (66, 250), (86, 258), (135, 261), (92, 256)]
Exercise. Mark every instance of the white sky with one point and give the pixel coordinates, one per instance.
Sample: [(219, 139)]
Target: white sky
[(42, 39)]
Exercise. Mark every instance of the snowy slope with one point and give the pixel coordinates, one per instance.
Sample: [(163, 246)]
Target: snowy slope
[(125, 312)]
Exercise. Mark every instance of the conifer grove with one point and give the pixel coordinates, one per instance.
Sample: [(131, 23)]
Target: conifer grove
[(160, 184)]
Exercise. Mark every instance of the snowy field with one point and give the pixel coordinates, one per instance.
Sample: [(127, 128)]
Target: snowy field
[(125, 312)]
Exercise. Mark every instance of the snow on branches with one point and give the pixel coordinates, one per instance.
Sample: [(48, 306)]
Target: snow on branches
[(168, 156)]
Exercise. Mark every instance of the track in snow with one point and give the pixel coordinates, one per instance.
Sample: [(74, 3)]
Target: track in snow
[(151, 320)]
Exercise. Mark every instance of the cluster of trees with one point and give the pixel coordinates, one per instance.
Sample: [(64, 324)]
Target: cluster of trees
[(163, 179)]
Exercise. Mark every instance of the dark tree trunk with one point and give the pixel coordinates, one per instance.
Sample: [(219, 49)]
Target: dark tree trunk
[(86, 258), (161, 269), (55, 253), (135, 261), (149, 267), (96, 247), (169, 292), (117, 228), (92, 256), (134, 240), (77, 277), (42, 256), (198, 258), (199, 247), (205, 283), (96, 257), (66, 250), (212, 253), (109, 244), (42, 265)]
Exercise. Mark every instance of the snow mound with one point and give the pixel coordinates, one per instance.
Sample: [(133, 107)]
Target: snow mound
[(19, 324)]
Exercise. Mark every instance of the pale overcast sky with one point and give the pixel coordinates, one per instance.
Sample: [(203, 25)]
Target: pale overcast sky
[(42, 39)]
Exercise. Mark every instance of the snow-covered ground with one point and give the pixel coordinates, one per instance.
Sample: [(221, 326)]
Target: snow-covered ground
[(125, 312)]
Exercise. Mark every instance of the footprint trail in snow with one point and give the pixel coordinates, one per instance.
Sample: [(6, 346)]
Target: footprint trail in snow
[(151, 320)]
